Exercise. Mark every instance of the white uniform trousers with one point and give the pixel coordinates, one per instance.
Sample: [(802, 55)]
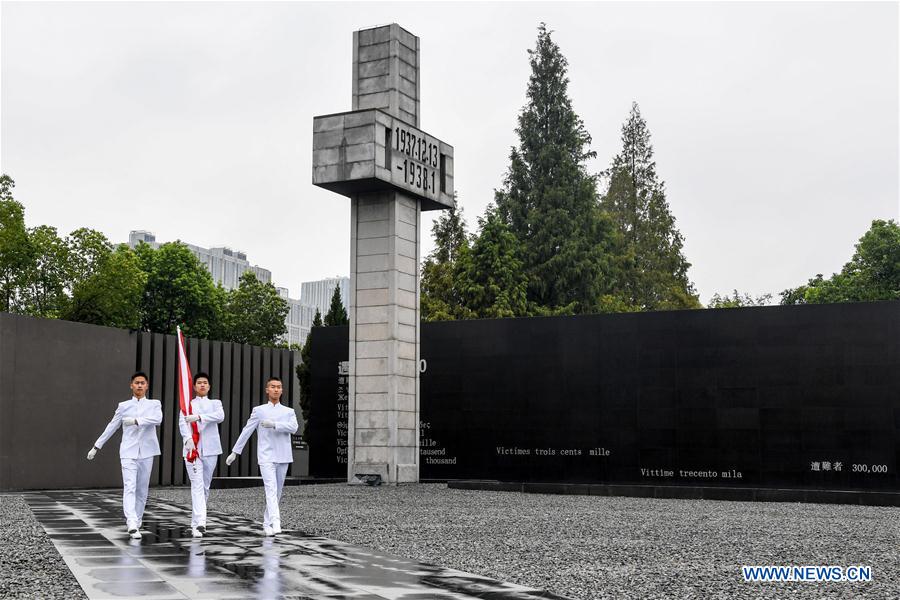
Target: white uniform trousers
[(135, 485), (273, 475), (200, 472)]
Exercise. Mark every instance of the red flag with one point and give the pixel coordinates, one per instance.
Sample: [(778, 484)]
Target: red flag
[(185, 393)]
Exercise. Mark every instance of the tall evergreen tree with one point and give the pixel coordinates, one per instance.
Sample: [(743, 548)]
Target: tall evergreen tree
[(304, 375), (439, 298), (489, 276), (548, 198), (655, 273), (337, 314)]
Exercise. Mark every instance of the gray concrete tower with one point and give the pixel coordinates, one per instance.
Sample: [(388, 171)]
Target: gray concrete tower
[(391, 170)]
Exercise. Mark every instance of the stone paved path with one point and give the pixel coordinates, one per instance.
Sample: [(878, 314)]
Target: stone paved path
[(234, 560)]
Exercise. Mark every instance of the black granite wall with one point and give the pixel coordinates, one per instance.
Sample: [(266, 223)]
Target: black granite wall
[(60, 383), (803, 396)]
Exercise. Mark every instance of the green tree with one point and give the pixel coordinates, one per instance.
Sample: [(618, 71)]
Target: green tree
[(88, 249), (439, 298), (179, 291), (872, 274), (16, 253), (254, 312), (304, 375), (111, 295), (46, 277), (548, 199), (654, 273), (738, 300), (489, 275), (337, 314)]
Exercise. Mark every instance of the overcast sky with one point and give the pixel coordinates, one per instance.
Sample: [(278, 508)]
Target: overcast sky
[(775, 125)]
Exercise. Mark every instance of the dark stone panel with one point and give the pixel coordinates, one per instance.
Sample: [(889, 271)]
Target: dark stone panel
[(220, 379), (756, 395), (680, 493), (728, 493), (694, 492), (257, 397), (156, 374), (170, 444), (635, 491), (234, 405), (879, 498), (832, 497), (90, 369), (780, 495), (93, 366), (248, 456)]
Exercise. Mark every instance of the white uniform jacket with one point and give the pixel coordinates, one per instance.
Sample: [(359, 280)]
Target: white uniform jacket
[(138, 441), (273, 445), (211, 414)]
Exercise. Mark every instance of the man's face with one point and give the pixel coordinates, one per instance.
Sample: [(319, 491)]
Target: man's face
[(201, 387), (273, 391), (139, 387)]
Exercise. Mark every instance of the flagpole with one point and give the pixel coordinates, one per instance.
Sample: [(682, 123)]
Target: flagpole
[(185, 393)]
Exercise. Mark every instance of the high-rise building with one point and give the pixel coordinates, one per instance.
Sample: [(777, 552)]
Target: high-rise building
[(299, 319), (318, 293), (224, 264), (226, 267)]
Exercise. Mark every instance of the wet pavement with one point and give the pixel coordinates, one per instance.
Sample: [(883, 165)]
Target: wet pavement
[(233, 560)]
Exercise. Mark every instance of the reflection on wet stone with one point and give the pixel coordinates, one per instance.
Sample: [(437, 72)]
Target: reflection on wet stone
[(234, 561)]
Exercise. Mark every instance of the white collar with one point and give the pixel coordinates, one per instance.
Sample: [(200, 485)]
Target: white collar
[(200, 398), (136, 399)]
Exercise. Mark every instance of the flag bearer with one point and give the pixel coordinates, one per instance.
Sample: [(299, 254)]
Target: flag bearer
[(138, 418), (207, 414), (274, 452)]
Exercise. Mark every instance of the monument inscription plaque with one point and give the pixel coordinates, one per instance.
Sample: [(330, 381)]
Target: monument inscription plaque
[(366, 151)]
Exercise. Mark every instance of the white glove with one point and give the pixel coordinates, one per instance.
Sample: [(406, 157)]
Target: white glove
[(231, 458), (129, 421), (92, 453), (192, 418), (268, 423), (189, 444)]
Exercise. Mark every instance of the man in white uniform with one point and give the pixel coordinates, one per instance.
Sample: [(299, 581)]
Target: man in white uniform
[(207, 414), (274, 452), (138, 419)]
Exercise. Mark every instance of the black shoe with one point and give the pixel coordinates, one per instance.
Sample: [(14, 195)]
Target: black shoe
[(201, 528)]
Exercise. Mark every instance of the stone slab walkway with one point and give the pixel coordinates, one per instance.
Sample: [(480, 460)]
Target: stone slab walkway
[(233, 560)]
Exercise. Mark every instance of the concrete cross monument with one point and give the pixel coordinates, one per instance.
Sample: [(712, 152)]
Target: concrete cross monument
[(391, 170)]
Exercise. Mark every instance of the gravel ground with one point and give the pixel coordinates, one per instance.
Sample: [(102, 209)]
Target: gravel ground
[(596, 547), (579, 546), (30, 566)]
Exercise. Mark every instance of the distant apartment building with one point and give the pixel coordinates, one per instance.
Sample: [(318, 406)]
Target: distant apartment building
[(226, 267), (318, 293), (224, 264), (299, 319)]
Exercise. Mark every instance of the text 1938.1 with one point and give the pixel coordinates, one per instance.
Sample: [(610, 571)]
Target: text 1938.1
[(420, 166)]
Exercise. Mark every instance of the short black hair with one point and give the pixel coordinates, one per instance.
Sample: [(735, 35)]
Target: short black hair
[(140, 374), (273, 378), (201, 375)]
